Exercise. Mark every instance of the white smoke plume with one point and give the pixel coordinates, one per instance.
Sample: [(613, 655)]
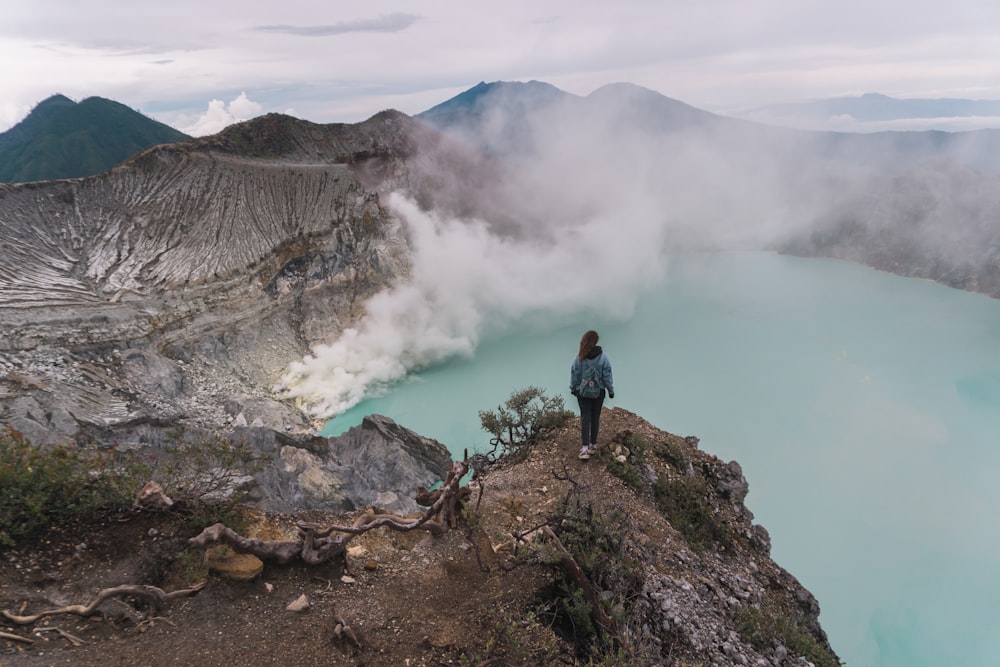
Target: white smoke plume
[(467, 281), (585, 222)]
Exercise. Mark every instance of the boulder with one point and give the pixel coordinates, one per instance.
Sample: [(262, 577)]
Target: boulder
[(376, 464), (231, 564)]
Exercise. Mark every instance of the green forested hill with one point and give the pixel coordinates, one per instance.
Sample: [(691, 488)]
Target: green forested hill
[(61, 138)]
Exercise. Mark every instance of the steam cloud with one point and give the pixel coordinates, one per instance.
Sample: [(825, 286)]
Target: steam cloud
[(595, 214), (583, 224), (468, 280)]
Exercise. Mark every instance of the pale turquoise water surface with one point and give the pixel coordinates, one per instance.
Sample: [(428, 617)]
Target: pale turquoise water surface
[(864, 408)]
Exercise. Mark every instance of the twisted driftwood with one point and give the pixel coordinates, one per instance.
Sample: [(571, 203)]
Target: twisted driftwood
[(157, 596), (317, 545)]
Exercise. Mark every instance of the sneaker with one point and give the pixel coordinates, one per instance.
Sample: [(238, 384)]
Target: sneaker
[(584, 453)]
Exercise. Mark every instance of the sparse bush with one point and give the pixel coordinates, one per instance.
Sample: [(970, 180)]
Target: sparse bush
[(517, 423), (41, 487), (598, 544), (673, 453), (513, 641), (768, 625), (202, 470), (686, 504), (205, 475)]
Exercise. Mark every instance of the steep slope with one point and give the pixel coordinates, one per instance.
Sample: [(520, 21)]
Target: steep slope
[(64, 139)]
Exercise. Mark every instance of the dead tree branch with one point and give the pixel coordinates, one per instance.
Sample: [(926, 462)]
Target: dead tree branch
[(16, 638), (72, 639), (157, 596)]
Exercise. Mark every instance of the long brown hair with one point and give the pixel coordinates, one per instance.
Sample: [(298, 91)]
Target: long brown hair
[(587, 343)]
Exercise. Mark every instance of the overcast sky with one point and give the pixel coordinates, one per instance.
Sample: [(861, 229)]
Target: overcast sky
[(201, 65)]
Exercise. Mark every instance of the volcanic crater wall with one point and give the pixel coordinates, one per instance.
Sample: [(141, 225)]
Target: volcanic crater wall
[(190, 273)]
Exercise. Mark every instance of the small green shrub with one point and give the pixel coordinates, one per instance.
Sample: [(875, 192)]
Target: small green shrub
[(41, 487), (685, 502), (522, 418), (627, 471), (187, 567), (768, 625), (673, 453)]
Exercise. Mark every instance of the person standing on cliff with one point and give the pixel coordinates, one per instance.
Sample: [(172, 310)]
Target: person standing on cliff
[(589, 376)]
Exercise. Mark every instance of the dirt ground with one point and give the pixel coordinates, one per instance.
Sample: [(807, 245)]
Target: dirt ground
[(412, 599)]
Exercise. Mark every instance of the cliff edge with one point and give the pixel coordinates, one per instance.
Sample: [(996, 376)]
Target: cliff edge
[(656, 526)]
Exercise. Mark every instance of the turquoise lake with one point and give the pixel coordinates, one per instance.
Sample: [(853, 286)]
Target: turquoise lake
[(864, 408)]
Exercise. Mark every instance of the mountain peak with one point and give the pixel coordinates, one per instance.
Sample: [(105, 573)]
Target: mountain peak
[(61, 138)]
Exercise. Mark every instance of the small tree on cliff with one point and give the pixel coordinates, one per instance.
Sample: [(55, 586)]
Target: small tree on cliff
[(518, 423)]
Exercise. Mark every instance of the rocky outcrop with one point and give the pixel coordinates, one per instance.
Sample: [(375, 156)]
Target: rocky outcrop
[(376, 464)]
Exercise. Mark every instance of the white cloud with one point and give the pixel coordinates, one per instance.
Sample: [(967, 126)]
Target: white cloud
[(220, 115)]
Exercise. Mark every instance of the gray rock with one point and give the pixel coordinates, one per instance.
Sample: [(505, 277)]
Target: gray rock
[(732, 483), (153, 373), (264, 412), (376, 464)]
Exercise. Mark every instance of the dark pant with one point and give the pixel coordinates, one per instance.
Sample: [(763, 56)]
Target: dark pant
[(590, 418)]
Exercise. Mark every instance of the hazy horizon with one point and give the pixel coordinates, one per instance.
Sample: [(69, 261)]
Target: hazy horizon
[(198, 67)]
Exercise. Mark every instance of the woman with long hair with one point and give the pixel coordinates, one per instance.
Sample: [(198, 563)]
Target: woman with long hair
[(589, 377)]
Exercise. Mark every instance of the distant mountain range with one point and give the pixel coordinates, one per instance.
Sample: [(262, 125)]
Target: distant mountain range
[(504, 118), (915, 203), (61, 138), (874, 111)]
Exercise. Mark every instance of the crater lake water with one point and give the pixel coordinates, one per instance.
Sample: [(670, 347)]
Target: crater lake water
[(864, 408)]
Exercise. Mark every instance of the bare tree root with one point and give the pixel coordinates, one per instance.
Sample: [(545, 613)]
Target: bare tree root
[(317, 545), (16, 638), (157, 596)]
